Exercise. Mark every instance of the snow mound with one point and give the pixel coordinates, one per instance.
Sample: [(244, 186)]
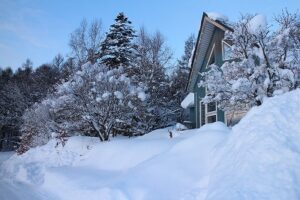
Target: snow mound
[(180, 127), (257, 24), (261, 159), (217, 16), (188, 101)]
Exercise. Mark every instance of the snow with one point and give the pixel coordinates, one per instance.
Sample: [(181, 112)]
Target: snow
[(217, 16), (119, 94), (180, 127), (257, 24), (142, 96), (188, 101), (191, 58), (105, 95), (259, 158), (5, 155)]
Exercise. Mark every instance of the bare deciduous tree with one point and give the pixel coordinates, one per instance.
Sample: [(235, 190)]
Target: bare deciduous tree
[(85, 41)]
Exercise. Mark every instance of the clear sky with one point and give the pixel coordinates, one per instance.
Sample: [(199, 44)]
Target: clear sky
[(39, 29)]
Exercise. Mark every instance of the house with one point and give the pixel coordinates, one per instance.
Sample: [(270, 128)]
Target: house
[(210, 49)]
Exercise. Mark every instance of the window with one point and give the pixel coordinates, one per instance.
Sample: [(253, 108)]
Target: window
[(211, 107), (208, 113), (227, 51), (211, 58), (211, 119)]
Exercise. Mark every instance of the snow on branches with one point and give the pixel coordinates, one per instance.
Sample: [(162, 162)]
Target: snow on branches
[(95, 101), (263, 63)]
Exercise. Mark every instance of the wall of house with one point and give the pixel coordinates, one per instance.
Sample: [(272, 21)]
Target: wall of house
[(192, 117), (216, 40)]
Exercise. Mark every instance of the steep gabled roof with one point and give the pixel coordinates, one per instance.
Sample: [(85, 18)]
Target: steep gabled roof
[(204, 36)]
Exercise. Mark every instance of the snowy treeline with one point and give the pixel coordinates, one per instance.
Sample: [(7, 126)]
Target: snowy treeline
[(117, 83), (263, 62), (21, 89)]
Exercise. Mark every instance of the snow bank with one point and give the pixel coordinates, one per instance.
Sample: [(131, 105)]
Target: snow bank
[(147, 167), (259, 158), (188, 101), (217, 16), (180, 127), (30, 167)]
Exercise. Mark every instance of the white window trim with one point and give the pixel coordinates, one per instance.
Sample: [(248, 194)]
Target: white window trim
[(207, 114), (200, 113), (197, 114), (223, 56), (211, 52), (206, 104)]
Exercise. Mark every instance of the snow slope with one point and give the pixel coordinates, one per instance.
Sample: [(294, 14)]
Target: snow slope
[(261, 159), (258, 159)]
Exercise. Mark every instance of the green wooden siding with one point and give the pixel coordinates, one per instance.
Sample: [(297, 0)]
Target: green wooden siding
[(193, 116), (216, 41)]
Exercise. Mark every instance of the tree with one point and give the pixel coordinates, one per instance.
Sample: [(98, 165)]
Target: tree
[(287, 37), (189, 45), (149, 72), (58, 61), (118, 49), (37, 126), (28, 64), (68, 68), (263, 64), (180, 76), (20, 90), (85, 41), (5, 76), (45, 78), (95, 101)]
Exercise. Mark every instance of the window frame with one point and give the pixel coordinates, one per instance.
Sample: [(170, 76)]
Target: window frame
[(223, 52), (207, 114), (210, 54)]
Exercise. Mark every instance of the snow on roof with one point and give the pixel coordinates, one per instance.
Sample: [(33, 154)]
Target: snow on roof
[(257, 23), (191, 58), (188, 101), (217, 16)]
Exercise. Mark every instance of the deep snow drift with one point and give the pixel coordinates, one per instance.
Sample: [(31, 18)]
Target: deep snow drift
[(258, 159)]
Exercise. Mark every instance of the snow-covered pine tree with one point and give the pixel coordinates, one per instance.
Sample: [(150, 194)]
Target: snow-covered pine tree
[(184, 61), (118, 48), (179, 77)]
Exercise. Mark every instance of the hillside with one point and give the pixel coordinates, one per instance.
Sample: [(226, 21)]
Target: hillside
[(259, 158)]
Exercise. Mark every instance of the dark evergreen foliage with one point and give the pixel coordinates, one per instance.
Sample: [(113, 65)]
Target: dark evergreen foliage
[(179, 78), (117, 48)]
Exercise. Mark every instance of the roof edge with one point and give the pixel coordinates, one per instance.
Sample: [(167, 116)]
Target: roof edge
[(218, 24)]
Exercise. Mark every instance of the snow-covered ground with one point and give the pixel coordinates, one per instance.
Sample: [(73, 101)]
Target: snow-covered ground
[(259, 158)]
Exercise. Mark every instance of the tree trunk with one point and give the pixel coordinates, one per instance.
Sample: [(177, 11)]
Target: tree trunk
[(97, 129)]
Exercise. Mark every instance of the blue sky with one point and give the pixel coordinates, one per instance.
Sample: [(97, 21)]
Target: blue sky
[(39, 29)]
